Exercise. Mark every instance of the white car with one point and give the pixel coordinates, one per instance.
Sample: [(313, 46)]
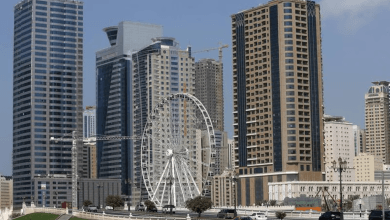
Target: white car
[(258, 216), (109, 208)]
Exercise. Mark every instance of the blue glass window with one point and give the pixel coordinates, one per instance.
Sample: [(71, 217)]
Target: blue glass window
[(290, 99), (288, 17), (289, 73), (41, 13), (40, 65), (289, 55), (287, 29), (81, 7), (40, 25), (40, 42), (289, 61), (42, 2), (287, 10), (289, 48), (41, 31), (40, 54), (287, 4), (41, 8), (288, 23), (41, 19), (288, 36), (40, 48), (39, 59), (288, 42), (40, 36)]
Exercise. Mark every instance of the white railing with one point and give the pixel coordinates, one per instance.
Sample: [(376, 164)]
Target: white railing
[(57, 211), (90, 215)]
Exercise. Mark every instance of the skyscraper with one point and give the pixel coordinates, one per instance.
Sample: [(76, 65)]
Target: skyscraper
[(277, 96), (377, 120), (160, 70), (209, 89), (89, 121), (114, 100), (47, 91)]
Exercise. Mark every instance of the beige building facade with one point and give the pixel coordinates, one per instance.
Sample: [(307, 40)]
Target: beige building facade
[(365, 166), (377, 120), (277, 96), (339, 142), (222, 193), (6, 192)]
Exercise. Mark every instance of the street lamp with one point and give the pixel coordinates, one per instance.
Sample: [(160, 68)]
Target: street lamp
[(342, 167), (234, 181), (78, 197), (56, 193)]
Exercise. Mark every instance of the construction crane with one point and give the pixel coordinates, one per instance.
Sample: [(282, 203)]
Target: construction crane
[(221, 46), (74, 138)]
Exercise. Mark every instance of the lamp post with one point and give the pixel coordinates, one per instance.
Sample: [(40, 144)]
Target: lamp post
[(56, 193), (342, 167), (78, 197), (234, 182), (170, 178)]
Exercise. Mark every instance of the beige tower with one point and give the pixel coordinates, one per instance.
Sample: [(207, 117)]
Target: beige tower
[(277, 96), (378, 121)]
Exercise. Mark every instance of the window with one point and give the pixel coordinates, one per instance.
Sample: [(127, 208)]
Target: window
[(288, 23), (288, 36), (287, 10), (289, 61), (289, 55), (291, 144), (287, 4), (291, 125), (287, 29), (290, 106), (289, 67), (288, 17), (289, 48)]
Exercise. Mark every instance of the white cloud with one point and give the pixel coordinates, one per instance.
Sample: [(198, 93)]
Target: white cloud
[(352, 14)]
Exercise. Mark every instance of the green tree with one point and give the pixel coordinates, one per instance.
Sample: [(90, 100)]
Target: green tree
[(199, 204), (149, 204), (272, 202), (114, 201), (280, 215), (87, 203)]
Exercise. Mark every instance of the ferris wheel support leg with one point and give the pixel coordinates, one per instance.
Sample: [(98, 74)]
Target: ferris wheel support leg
[(158, 185), (188, 182), (180, 184), (192, 178)]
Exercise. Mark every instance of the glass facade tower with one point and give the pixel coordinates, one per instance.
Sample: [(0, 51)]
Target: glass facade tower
[(114, 102), (47, 91)]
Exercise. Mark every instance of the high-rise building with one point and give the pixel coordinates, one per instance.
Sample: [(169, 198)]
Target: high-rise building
[(6, 192), (115, 103), (359, 139), (89, 121), (209, 89), (160, 70), (277, 96), (339, 142), (230, 154), (47, 90), (377, 120)]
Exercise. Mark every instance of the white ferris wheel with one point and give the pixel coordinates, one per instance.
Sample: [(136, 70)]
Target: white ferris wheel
[(175, 165)]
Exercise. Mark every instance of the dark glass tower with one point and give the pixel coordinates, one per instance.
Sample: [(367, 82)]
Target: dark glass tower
[(47, 91)]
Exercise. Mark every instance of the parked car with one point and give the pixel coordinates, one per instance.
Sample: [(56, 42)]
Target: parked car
[(243, 218), (167, 209), (377, 215), (109, 208), (140, 207), (153, 209), (330, 216), (258, 216), (92, 208), (227, 213)]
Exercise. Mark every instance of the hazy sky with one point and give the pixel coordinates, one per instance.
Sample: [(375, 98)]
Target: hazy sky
[(355, 48)]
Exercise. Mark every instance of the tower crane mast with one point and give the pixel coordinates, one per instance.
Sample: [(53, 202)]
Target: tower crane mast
[(74, 138)]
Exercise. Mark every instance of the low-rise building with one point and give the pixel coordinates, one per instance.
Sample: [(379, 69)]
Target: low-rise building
[(53, 190), (6, 191), (280, 190), (222, 193), (365, 166)]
